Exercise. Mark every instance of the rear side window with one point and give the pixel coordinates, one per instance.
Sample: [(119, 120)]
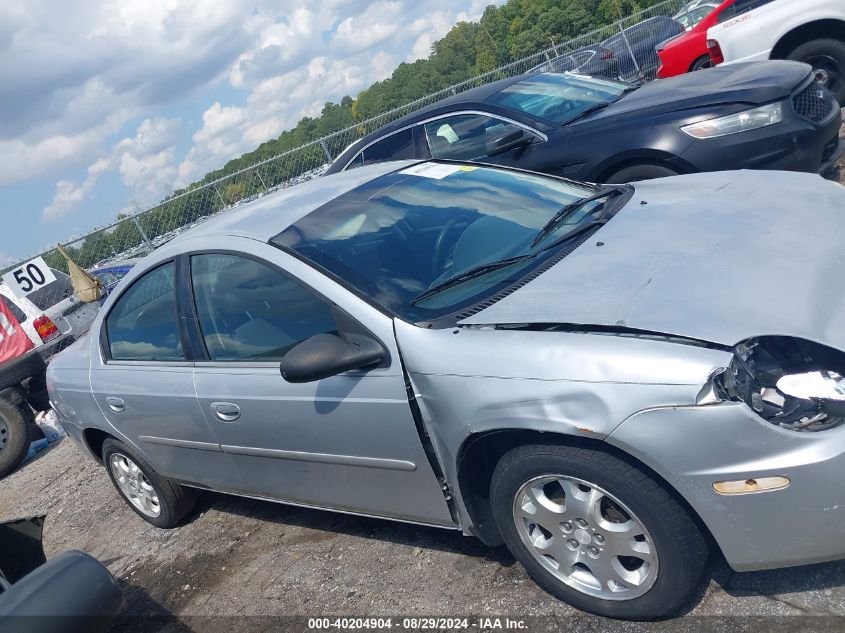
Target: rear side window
[(398, 146), (250, 311), (739, 7), (19, 314), (52, 293), (143, 324)]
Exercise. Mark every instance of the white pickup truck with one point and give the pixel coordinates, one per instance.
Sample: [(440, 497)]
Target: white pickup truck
[(811, 31)]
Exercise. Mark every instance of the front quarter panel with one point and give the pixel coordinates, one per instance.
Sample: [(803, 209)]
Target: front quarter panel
[(694, 447), (469, 381)]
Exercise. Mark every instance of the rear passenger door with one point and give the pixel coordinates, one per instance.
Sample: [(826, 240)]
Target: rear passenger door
[(143, 384)]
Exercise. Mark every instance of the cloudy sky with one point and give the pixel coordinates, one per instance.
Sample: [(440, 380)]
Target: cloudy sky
[(109, 103)]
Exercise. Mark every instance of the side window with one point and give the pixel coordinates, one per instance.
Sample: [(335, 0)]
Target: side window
[(142, 325), (358, 161), (20, 315), (465, 136), (397, 146), (739, 7), (249, 311)]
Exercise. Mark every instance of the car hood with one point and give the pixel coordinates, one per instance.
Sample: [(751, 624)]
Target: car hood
[(752, 83), (719, 257)]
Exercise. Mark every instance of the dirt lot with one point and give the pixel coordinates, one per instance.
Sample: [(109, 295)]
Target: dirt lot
[(238, 557)]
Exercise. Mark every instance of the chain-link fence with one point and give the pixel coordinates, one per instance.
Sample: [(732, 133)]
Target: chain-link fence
[(622, 50)]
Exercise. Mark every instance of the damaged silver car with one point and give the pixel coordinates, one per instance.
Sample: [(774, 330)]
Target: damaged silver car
[(615, 382)]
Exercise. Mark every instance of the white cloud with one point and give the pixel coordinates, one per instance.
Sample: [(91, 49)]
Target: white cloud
[(378, 22), (145, 162), (78, 73)]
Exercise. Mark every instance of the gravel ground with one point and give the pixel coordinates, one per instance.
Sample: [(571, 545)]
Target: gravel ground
[(239, 557), (250, 558)]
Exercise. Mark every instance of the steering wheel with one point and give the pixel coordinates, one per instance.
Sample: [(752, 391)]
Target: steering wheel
[(438, 259)]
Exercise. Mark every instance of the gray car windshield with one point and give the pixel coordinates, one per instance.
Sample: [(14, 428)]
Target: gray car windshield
[(399, 236), (559, 97)]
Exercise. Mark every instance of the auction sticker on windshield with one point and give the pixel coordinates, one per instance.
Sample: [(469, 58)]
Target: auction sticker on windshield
[(437, 171), (29, 277)]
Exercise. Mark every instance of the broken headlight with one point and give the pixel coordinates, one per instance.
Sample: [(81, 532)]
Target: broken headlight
[(795, 384)]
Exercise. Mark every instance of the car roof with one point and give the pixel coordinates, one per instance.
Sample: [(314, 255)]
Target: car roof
[(271, 214)]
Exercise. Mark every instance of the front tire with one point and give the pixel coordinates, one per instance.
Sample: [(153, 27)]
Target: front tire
[(154, 498), (596, 532), (828, 57)]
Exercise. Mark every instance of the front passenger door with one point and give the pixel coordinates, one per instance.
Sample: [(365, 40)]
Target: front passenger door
[(347, 442)]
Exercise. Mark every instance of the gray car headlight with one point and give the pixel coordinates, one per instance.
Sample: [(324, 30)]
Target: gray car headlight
[(744, 121), (795, 384)]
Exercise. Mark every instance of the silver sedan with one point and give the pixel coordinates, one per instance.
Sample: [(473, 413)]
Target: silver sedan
[(616, 382)]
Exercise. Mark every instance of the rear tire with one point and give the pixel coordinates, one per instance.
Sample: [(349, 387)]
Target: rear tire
[(16, 424), (139, 483), (642, 171), (701, 63), (614, 508), (827, 55)]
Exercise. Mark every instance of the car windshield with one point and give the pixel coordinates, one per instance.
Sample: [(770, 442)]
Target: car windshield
[(399, 236), (559, 97)]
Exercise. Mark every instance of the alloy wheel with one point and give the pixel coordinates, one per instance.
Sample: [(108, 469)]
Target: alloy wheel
[(4, 434), (585, 537), (134, 485)]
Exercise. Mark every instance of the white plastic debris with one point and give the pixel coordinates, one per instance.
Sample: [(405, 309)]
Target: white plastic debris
[(49, 425)]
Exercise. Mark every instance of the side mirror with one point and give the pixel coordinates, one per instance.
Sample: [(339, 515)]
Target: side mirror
[(519, 138), (327, 355)]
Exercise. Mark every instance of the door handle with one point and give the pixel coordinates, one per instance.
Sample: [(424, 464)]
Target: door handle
[(116, 404), (226, 411)]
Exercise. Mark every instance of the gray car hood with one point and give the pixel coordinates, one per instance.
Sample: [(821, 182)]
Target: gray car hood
[(719, 257)]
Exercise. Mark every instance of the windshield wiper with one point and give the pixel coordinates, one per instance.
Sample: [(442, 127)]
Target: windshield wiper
[(573, 207), (472, 273), (593, 108)]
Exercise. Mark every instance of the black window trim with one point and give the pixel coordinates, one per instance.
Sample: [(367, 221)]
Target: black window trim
[(194, 332), (444, 115), (105, 344)]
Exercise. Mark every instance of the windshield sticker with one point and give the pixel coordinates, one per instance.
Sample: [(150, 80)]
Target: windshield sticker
[(432, 170)]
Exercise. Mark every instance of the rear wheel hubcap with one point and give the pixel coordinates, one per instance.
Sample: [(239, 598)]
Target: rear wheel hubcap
[(4, 434), (134, 485)]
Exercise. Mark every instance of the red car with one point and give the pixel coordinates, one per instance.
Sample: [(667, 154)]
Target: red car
[(688, 51)]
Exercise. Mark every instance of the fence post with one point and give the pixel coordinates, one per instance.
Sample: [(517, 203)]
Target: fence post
[(143, 233), (628, 46), (220, 195), (326, 150), (260, 179)]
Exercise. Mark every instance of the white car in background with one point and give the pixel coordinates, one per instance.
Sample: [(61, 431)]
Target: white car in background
[(51, 311), (811, 31), (694, 12)]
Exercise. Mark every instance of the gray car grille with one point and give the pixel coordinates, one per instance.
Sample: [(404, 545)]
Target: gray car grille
[(815, 103)]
